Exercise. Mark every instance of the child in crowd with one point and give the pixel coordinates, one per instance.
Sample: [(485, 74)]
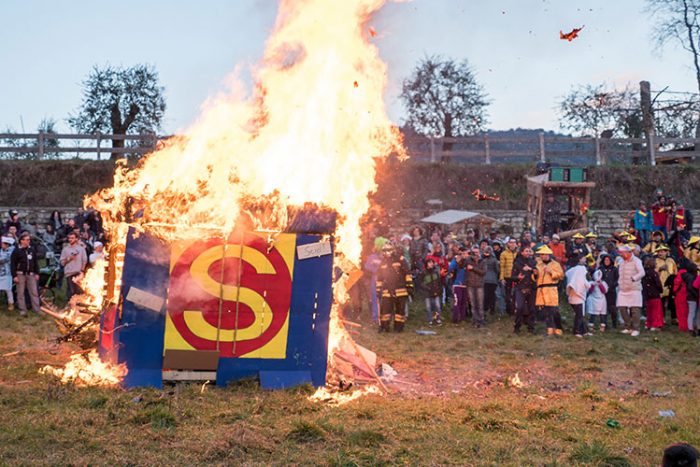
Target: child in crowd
[(652, 290), (576, 288), (596, 303), (433, 287)]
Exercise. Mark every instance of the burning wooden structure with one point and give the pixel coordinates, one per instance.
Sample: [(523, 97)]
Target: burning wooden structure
[(251, 304)]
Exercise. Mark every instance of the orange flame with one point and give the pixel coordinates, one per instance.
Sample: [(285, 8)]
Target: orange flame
[(87, 370), (303, 136)]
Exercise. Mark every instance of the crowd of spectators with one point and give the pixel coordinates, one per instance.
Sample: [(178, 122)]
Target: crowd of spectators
[(68, 247), (645, 271)]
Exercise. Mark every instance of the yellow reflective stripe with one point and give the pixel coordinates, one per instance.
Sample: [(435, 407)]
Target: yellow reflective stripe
[(399, 318)]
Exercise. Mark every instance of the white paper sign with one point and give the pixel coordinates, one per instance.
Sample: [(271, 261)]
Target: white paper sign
[(143, 299), (314, 250)]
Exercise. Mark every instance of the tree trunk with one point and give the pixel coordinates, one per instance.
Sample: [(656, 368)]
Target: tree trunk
[(447, 146)]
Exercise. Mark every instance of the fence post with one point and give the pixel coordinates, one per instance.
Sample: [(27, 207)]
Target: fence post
[(651, 141), (432, 149), (40, 140), (542, 158), (487, 148), (99, 142), (598, 160)]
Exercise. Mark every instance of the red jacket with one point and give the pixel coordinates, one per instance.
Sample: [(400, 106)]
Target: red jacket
[(659, 215)]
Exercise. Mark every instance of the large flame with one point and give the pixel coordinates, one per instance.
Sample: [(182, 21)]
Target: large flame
[(87, 370), (310, 132)]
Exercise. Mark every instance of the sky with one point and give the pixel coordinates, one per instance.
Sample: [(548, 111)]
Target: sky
[(47, 48)]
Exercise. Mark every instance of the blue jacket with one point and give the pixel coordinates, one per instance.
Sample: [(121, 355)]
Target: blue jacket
[(643, 220), (459, 272)]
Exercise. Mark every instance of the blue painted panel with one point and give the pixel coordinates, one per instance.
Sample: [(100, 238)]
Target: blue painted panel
[(283, 379)]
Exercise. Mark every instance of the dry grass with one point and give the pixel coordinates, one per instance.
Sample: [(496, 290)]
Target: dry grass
[(452, 405)]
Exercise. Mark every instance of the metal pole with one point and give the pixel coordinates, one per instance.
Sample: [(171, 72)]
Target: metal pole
[(99, 142)]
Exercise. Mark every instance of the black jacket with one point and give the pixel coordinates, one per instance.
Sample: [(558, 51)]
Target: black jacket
[(689, 278), (529, 279), (651, 284), (24, 261), (610, 277)]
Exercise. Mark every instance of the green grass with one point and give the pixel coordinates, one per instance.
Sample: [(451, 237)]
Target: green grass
[(452, 404)]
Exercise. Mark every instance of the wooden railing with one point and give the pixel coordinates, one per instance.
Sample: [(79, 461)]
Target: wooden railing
[(581, 150), (484, 149), (53, 145)]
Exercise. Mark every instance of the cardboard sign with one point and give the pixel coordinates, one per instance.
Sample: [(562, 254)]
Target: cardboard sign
[(314, 250)]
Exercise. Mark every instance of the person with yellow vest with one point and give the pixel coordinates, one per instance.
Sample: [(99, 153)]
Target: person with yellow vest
[(667, 269), (657, 239), (549, 274), (507, 259), (575, 250), (692, 251), (394, 280)]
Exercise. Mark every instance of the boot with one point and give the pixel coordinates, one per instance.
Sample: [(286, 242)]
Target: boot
[(550, 331), (11, 307)]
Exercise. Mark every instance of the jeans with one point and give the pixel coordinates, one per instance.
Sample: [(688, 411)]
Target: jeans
[(501, 299), (476, 297), (692, 316), (29, 283), (432, 308), (579, 327)]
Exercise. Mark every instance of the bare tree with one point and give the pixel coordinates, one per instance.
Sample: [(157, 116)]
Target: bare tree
[(596, 110), (443, 98), (679, 21)]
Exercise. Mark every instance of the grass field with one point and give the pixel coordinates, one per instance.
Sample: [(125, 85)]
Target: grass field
[(453, 403)]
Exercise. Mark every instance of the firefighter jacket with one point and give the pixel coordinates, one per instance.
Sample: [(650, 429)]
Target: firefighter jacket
[(393, 278), (651, 247), (507, 260), (572, 251), (666, 269), (693, 254), (548, 277)]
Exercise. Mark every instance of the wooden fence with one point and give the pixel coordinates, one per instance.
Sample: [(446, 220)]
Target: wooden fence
[(53, 145), (485, 149)]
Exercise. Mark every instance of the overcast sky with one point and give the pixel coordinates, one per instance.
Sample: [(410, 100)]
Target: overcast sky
[(47, 47)]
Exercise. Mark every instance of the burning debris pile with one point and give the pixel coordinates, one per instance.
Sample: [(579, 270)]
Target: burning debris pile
[(292, 157)]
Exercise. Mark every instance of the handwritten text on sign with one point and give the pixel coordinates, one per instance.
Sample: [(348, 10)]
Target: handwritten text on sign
[(314, 250)]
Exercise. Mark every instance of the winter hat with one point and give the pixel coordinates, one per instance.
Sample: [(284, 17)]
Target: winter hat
[(8, 240)]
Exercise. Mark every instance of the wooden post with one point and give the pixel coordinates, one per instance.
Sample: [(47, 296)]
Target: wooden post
[(542, 158), (40, 139), (99, 142), (648, 119), (432, 149), (598, 160), (487, 148)]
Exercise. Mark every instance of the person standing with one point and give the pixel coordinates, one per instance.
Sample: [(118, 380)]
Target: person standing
[(652, 290), (13, 221), (549, 274), (643, 222), (692, 251), (433, 288), (73, 259), (25, 273), (576, 289), (6, 270), (659, 215), (458, 272), (551, 215), (394, 281), (575, 250), (657, 239), (596, 303), (689, 277), (666, 268), (558, 249), (506, 275), (490, 281), (476, 270), (629, 297), (680, 295), (610, 277), (525, 275)]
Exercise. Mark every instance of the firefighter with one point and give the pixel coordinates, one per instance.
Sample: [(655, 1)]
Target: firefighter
[(394, 281), (575, 250), (525, 275), (549, 274), (591, 239), (692, 252)]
